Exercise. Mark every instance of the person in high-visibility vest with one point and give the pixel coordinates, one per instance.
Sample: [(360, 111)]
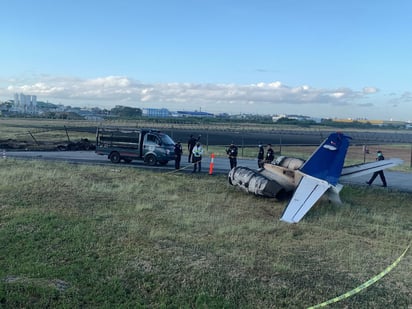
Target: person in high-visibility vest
[(191, 143), (197, 153)]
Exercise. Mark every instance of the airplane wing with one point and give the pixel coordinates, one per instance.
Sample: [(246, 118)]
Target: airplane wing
[(368, 168), (308, 192)]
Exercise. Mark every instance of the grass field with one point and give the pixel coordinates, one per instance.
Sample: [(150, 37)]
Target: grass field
[(79, 236)]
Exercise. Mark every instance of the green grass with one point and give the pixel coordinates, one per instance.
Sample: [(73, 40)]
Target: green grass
[(85, 236)]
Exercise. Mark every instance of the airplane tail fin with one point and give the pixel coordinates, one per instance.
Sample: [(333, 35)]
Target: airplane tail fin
[(320, 173), (327, 161)]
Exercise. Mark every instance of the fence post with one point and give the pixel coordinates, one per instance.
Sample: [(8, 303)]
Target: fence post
[(411, 157), (243, 143), (37, 143), (365, 151), (280, 143)]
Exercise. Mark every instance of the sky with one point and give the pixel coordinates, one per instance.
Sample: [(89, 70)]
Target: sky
[(319, 58)]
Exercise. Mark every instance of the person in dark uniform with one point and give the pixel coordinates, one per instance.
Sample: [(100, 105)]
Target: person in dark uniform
[(261, 156), (191, 143), (232, 153), (379, 157), (270, 154), (178, 154)]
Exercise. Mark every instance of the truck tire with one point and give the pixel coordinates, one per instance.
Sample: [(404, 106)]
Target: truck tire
[(151, 160), (115, 157)]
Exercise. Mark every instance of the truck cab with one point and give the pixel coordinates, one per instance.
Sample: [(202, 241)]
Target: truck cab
[(157, 147)]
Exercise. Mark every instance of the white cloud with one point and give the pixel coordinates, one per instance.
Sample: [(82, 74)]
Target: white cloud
[(337, 95), (370, 90), (110, 90)]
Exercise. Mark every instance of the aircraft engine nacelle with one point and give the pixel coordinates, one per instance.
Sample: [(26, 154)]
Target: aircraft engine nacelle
[(289, 162), (252, 182)]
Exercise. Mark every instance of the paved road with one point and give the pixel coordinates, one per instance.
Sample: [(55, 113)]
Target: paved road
[(396, 180)]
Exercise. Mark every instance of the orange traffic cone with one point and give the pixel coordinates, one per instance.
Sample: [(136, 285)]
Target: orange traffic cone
[(212, 164)]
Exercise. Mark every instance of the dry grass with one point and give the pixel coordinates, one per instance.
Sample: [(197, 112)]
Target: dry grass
[(86, 236)]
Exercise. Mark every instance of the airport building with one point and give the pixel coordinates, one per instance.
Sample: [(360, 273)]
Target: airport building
[(194, 114), (155, 112), (164, 112)]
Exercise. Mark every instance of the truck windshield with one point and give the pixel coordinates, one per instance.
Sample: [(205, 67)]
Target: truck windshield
[(166, 140)]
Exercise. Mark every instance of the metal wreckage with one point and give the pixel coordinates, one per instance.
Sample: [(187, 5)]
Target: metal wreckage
[(307, 180)]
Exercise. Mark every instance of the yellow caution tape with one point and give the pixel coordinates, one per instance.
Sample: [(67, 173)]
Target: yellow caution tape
[(183, 168), (364, 285)]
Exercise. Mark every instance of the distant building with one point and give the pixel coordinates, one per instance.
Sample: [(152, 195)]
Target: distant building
[(295, 117), (24, 104), (193, 114), (278, 117), (163, 112), (156, 112), (86, 114)]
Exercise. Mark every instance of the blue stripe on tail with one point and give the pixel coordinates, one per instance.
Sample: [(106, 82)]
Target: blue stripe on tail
[(327, 161)]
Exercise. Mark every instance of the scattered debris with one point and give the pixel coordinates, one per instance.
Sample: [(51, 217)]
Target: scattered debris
[(83, 144), (13, 144)]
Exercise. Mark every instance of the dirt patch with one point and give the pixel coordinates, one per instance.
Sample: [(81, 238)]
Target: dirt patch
[(11, 144), (57, 284)]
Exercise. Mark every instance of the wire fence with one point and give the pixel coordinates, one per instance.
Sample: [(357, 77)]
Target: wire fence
[(298, 142)]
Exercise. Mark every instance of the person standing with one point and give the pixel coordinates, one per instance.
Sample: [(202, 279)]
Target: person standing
[(232, 153), (379, 157), (270, 154), (178, 154), (191, 143), (261, 156), (197, 153)]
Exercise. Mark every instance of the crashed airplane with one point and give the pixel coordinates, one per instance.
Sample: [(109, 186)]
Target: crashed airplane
[(310, 180)]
